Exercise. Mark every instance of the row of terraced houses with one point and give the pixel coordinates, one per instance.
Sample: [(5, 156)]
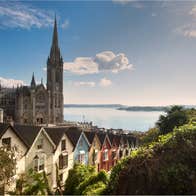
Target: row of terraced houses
[(56, 149)]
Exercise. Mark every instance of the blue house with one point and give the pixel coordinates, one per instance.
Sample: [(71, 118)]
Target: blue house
[(81, 145)]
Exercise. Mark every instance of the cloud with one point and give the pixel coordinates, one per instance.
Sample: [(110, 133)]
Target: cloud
[(104, 61), (189, 29), (133, 3), (104, 82), (17, 15), (65, 24), (81, 83), (9, 83)]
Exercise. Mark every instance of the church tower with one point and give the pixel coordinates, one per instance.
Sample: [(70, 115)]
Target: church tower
[(55, 80)]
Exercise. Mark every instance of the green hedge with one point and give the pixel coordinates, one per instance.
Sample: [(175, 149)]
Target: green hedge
[(167, 166)]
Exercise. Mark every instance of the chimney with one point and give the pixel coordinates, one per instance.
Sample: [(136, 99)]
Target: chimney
[(1, 115)]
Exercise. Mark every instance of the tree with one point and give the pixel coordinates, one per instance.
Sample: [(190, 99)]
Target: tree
[(32, 183), (175, 117), (7, 165), (84, 180), (77, 175)]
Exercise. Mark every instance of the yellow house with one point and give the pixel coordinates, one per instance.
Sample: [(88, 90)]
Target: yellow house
[(94, 150)]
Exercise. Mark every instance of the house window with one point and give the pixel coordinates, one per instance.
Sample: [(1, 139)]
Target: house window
[(105, 155), (6, 142), (63, 145), (81, 157), (38, 163), (127, 152), (63, 161), (40, 143)]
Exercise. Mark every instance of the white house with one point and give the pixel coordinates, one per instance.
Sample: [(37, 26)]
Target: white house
[(11, 140), (63, 154), (39, 155)]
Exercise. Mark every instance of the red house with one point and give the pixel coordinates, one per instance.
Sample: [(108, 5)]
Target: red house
[(115, 146), (105, 154)]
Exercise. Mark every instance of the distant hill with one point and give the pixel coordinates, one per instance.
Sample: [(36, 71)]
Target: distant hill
[(93, 105), (124, 107), (144, 108)]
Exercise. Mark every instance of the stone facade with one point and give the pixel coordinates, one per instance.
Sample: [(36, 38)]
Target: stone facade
[(37, 104)]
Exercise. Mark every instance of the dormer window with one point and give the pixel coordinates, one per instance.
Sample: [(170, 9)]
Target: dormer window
[(63, 145), (7, 142)]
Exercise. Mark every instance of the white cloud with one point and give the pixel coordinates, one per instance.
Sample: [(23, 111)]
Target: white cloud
[(9, 83), (81, 83), (189, 29), (81, 66), (17, 15), (104, 61), (133, 3), (104, 82), (65, 24)]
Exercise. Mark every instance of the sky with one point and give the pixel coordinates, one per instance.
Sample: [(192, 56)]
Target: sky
[(119, 51)]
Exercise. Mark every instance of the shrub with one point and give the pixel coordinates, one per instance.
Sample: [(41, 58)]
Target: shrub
[(77, 175), (163, 167)]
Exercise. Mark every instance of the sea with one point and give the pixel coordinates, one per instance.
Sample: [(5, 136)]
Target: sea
[(104, 117)]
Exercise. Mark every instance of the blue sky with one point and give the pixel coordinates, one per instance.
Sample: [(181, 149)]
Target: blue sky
[(128, 52)]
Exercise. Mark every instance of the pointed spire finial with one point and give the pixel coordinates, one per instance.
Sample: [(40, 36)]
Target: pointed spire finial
[(33, 84)]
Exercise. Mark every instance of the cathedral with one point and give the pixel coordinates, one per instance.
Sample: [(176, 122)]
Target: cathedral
[(37, 104)]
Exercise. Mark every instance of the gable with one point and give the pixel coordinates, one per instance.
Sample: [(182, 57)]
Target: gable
[(82, 142), (96, 143), (16, 142), (48, 146), (106, 143)]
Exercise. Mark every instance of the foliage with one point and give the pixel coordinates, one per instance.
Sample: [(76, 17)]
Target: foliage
[(77, 175), (93, 181), (114, 176), (150, 136), (7, 165), (84, 180), (32, 183), (95, 189), (163, 167), (175, 116)]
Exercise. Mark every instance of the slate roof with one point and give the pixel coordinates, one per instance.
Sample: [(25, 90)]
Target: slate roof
[(90, 136), (101, 137), (3, 128), (27, 133), (73, 133), (56, 133)]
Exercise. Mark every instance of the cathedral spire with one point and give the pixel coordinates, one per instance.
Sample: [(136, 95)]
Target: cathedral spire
[(33, 84), (55, 51)]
